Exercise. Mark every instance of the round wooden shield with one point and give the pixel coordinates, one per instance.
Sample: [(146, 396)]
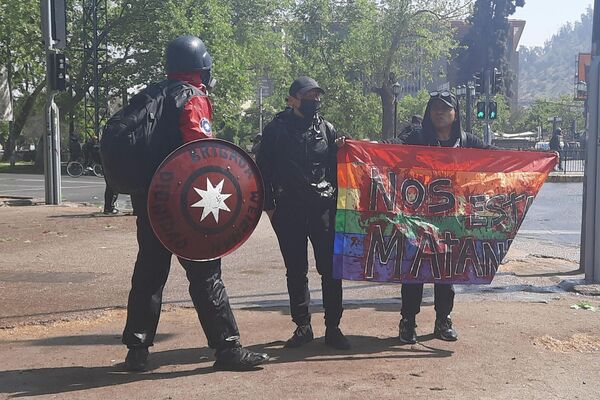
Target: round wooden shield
[(205, 199)]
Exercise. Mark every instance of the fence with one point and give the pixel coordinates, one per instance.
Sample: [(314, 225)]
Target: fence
[(572, 160)]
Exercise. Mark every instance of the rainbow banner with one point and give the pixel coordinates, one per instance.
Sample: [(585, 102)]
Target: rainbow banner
[(431, 214)]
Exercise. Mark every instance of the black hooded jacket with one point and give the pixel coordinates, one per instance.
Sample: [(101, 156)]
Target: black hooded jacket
[(297, 160), (426, 136)]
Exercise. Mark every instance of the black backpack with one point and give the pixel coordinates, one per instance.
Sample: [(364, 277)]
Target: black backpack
[(136, 139)]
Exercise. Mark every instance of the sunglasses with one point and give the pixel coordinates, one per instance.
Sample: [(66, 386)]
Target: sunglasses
[(444, 94)]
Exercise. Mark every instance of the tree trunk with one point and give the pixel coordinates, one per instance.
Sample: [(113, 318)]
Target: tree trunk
[(20, 119), (387, 104)]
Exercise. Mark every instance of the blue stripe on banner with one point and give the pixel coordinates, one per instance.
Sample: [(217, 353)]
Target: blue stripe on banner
[(357, 257)]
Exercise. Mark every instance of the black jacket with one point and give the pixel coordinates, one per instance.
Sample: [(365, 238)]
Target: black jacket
[(297, 161), (426, 135), (554, 143)]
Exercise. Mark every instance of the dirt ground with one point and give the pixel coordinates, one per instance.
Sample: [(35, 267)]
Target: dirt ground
[(72, 259), (506, 351)]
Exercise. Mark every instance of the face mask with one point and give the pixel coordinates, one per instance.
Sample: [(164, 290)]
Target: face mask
[(309, 108), (207, 80)]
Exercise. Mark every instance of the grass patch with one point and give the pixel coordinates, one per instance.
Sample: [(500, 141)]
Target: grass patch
[(19, 168)]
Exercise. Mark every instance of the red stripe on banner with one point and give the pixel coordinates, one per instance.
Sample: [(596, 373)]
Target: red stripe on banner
[(444, 158), (357, 176)]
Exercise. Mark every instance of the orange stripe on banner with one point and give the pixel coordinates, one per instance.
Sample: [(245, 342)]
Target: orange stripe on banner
[(352, 176), (446, 159), (419, 193)]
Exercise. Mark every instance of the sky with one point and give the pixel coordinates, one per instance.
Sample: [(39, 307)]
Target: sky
[(545, 17)]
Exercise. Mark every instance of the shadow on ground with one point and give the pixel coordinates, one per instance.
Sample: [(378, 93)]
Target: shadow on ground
[(57, 380)]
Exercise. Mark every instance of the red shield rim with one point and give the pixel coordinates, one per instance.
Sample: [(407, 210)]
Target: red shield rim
[(205, 199)]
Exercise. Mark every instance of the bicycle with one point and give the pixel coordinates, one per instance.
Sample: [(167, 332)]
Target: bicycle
[(75, 169)]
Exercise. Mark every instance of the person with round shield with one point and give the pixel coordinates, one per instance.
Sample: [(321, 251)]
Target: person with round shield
[(186, 116), (297, 159)]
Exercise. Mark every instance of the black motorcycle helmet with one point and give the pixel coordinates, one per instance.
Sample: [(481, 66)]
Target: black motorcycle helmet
[(188, 53)]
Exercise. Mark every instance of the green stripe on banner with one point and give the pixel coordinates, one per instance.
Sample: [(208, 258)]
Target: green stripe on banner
[(350, 221)]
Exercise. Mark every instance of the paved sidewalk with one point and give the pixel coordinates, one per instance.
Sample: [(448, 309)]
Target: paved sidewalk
[(64, 277)]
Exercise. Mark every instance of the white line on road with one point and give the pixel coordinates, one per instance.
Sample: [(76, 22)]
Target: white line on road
[(34, 189), (547, 232)]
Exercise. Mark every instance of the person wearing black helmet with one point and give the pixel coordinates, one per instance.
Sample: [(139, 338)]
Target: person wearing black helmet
[(441, 127), (187, 116), (297, 159)]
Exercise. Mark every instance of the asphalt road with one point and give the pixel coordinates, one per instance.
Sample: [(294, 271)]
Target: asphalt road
[(554, 217), (85, 189)]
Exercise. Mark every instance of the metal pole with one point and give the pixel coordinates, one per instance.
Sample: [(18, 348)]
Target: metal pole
[(487, 134), (96, 75), (52, 136), (395, 116), (469, 110), (260, 109), (590, 234)]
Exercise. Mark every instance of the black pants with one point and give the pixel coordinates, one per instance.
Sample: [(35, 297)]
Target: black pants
[(412, 295), (110, 198), (294, 226), (149, 277)]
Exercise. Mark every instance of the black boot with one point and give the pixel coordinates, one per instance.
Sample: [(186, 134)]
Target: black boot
[(137, 359), (408, 332), (443, 329), (336, 339), (302, 335), (238, 359)]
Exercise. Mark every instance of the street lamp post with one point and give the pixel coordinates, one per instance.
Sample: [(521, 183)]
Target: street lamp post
[(396, 89)]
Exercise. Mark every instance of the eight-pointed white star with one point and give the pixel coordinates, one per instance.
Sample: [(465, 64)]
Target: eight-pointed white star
[(212, 200)]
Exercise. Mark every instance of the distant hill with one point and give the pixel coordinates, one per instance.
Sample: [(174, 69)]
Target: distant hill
[(548, 72)]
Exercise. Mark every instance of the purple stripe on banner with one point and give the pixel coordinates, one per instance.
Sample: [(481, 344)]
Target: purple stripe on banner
[(397, 259)]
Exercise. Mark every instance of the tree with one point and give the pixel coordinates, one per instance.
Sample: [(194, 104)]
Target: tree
[(24, 60), (486, 42), (358, 49), (547, 71)]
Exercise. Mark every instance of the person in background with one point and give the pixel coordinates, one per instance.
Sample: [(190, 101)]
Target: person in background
[(74, 147), (555, 145)]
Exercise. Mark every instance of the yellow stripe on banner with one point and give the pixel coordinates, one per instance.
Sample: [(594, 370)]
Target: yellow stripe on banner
[(348, 199)]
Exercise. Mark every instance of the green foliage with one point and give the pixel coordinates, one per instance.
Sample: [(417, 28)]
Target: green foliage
[(486, 42), (23, 58), (547, 72), (542, 109), (356, 50), (359, 49)]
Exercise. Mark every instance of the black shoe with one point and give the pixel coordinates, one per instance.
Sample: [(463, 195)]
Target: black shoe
[(111, 212), (238, 359), (408, 332), (443, 329), (336, 339), (137, 359), (302, 335)]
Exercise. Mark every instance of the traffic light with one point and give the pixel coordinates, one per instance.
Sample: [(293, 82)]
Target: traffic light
[(496, 81), (481, 110), (58, 72), (493, 110), (478, 79)]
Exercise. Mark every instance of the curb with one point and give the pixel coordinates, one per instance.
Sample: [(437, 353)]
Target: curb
[(587, 290), (565, 178), (17, 201)]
